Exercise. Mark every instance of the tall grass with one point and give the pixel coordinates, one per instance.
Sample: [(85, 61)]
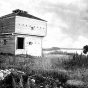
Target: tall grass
[(78, 61), (44, 66)]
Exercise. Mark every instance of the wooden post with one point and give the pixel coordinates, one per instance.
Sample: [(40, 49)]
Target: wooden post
[(28, 83), (21, 81)]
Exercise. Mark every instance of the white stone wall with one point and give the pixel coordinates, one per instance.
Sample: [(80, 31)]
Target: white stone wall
[(30, 26), (32, 45)]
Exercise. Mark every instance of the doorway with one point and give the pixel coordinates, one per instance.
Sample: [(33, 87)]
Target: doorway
[(20, 43)]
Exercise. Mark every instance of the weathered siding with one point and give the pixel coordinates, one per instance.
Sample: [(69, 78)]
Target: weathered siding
[(0, 25), (7, 44), (7, 25), (35, 48), (30, 26)]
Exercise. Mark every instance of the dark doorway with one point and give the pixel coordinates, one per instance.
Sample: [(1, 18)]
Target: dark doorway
[(20, 43)]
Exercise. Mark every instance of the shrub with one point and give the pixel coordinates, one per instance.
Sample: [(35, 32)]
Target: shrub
[(78, 61)]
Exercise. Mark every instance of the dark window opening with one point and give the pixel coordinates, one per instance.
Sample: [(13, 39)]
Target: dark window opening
[(5, 41), (32, 28), (20, 43), (30, 43)]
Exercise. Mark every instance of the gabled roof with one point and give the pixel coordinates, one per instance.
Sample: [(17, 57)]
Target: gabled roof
[(22, 13)]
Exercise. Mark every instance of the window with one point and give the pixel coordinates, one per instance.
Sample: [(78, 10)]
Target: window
[(30, 43), (32, 28), (20, 43), (5, 41)]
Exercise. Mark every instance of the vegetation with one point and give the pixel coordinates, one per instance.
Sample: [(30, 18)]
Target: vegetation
[(53, 67), (85, 49), (78, 61)]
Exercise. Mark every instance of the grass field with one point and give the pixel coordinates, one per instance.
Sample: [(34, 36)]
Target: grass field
[(74, 66)]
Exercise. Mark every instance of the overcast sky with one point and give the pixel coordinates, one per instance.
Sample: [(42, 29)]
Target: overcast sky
[(67, 24)]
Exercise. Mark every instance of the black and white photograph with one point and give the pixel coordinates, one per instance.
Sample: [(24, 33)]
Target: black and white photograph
[(43, 43)]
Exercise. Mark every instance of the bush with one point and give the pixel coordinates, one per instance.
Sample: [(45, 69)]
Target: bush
[(78, 61)]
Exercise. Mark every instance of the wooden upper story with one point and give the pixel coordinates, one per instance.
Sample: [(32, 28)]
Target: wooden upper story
[(23, 23)]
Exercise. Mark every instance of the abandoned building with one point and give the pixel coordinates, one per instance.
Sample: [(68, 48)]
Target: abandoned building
[(22, 33)]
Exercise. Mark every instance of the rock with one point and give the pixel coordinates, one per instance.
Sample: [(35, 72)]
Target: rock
[(1, 75), (75, 82)]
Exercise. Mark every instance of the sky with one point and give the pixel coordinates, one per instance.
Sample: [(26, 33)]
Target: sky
[(67, 20)]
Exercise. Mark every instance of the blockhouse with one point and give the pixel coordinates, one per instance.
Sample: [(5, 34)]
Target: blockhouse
[(22, 33)]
